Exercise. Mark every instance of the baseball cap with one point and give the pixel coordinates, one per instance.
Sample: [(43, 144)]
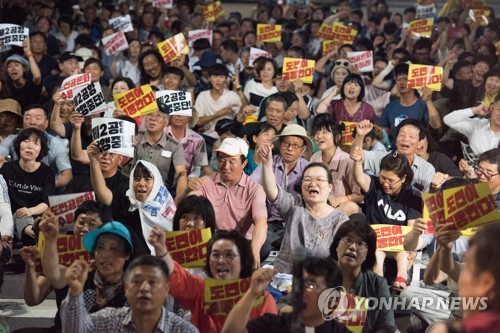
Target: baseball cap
[(233, 147), (12, 106), (18, 58), (69, 55), (113, 227)]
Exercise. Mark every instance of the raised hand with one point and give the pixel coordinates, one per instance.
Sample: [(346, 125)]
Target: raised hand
[(93, 151), (49, 225), (357, 154), (195, 184), (446, 234), (76, 119), (75, 276), (265, 152), (28, 253), (419, 226), (363, 127), (260, 280), (157, 239)]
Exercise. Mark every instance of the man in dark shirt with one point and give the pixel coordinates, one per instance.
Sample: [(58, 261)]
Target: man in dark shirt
[(48, 65), (319, 275)]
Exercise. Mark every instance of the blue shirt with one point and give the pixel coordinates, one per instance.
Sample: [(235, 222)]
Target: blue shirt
[(394, 113)]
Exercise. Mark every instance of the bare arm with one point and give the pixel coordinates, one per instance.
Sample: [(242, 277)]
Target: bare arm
[(64, 179), (412, 239), (268, 178), (259, 235), (182, 182), (304, 112), (378, 81), (219, 114), (35, 70), (157, 239), (360, 177), (103, 193), (433, 275), (49, 226), (36, 289), (56, 124), (434, 118)]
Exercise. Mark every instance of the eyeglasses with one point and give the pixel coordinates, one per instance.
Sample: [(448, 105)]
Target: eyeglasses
[(311, 285), (319, 181), (481, 172), (391, 182), (287, 145), (342, 63), (155, 116), (273, 110), (90, 225), (227, 256), (360, 244)]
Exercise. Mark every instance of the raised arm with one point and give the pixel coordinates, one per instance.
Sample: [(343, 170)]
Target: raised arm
[(103, 193), (56, 124), (157, 239), (74, 316), (434, 118), (36, 289), (460, 120), (445, 236), (361, 178), (268, 178), (35, 70), (412, 239), (77, 152), (237, 319), (378, 81), (49, 226)]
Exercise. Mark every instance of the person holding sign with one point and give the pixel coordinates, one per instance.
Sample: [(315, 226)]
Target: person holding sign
[(391, 201), (229, 257), (146, 286), (29, 184), (310, 220), (487, 171), (319, 277)]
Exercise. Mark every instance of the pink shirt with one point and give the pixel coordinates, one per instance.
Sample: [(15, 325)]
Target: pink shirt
[(235, 207), (341, 168)]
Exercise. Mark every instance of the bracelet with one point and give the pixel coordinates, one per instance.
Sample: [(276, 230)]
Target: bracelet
[(162, 255)]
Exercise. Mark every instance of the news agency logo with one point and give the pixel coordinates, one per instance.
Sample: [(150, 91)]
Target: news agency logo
[(333, 303)]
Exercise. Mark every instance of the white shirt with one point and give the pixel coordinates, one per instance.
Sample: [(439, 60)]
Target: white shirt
[(478, 130), (205, 106)]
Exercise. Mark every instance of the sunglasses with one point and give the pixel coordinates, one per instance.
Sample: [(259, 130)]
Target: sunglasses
[(342, 63)]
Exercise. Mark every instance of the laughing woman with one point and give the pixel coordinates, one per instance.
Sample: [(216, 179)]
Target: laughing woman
[(29, 184), (229, 257), (311, 221)]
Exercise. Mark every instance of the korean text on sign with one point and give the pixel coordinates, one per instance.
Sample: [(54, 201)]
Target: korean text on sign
[(257, 53), (347, 133), (115, 43), (114, 135), (89, 99), (390, 237), (269, 33), (174, 102), (64, 207), (71, 83), (294, 69), (121, 23), (188, 248), (173, 47), (167, 4), (136, 102), (352, 312), (198, 34), (422, 28), (69, 249), (222, 295), (425, 76), (325, 32), (213, 11), (362, 60), (328, 46), (344, 34), (11, 34)]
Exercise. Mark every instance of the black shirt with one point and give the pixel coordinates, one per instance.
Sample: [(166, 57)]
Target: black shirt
[(28, 94), (381, 208), (282, 324)]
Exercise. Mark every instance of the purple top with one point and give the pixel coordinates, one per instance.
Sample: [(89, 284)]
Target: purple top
[(339, 112)]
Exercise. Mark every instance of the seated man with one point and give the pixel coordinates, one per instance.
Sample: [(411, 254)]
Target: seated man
[(288, 167), (146, 288), (239, 202), (319, 275), (58, 155)]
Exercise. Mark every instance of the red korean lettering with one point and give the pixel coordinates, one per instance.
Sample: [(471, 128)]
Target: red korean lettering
[(216, 292), (62, 245), (232, 289), (182, 241), (195, 237), (386, 231), (472, 212), (486, 205), (381, 243)]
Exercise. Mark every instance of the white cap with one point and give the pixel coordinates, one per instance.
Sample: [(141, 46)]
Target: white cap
[(233, 147)]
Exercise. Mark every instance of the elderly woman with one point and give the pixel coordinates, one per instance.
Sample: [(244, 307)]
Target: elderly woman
[(311, 221), (229, 257), (351, 107), (29, 184), (394, 202), (341, 69)]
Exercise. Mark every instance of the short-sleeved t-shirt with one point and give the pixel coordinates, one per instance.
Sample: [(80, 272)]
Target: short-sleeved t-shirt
[(28, 189), (382, 208), (283, 324), (394, 113)]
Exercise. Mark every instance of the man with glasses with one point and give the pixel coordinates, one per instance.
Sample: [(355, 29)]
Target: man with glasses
[(488, 171), (288, 167), (163, 151), (319, 275)]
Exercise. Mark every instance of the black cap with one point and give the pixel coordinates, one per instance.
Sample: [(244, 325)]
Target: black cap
[(69, 55)]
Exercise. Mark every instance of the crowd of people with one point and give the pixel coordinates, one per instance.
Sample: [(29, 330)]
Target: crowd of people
[(267, 164)]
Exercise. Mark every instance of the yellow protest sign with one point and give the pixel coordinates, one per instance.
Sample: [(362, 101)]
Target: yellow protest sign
[(269, 33), (347, 133), (136, 102), (294, 69), (328, 46), (470, 206), (188, 248), (390, 237), (480, 15), (173, 47), (425, 76), (422, 28), (213, 11), (222, 295), (353, 313), (69, 248), (343, 34), (325, 32)]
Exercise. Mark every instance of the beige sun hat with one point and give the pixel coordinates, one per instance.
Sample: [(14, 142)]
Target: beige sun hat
[(295, 130)]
